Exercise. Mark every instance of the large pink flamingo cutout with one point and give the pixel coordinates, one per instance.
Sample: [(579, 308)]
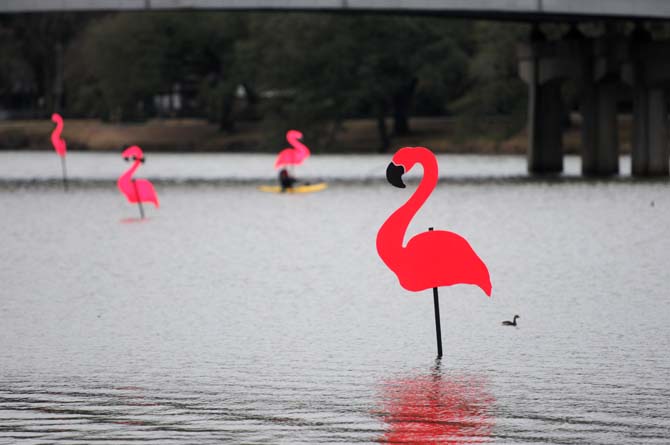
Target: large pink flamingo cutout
[(136, 190), (430, 259), (59, 144), (294, 155)]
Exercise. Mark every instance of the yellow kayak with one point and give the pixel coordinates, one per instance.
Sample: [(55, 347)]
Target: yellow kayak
[(305, 188)]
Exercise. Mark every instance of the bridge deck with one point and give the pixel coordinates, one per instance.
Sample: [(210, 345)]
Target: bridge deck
[(522, 9)]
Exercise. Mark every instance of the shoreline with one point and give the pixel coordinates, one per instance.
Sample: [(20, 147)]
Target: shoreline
[(357, 136), (39, 169)]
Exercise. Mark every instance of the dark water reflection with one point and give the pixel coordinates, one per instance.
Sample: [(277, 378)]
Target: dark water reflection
[(447, 408)]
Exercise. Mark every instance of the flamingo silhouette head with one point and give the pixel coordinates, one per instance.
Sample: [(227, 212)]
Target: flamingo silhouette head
[(294, 134), (402, 162), (56, 118), (133, 153)]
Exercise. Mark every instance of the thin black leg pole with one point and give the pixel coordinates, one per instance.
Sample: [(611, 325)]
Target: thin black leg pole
[(139, 201), (438, 327), (62, 163)]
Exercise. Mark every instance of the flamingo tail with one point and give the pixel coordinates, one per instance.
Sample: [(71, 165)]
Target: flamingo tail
[(146, 192)]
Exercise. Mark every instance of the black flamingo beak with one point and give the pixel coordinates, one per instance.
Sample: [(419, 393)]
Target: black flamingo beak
[(394, 175), (126, 159), (142, 160)]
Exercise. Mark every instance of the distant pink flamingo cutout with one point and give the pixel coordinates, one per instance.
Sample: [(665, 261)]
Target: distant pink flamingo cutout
[(430, 259), (59, 144), (136, 190), (294, 155)]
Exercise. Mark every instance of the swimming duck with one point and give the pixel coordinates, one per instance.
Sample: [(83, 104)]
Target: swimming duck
[(510, 323)]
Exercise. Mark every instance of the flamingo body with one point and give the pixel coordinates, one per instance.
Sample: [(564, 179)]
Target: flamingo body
[(430, 259), (460, 266), (56, 140), (286, 157), (136, 190), (294, 155)]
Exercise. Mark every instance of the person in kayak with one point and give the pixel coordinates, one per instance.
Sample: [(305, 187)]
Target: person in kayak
[(286, 181)]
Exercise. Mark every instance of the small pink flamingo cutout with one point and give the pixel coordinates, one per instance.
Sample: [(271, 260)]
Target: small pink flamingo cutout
[(430, 259), (294, 155), (136, 190), (59, 144)]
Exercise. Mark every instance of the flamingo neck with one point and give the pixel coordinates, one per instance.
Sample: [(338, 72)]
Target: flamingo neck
[(55, 135), (392, 233), (297, 145), (127, 176)]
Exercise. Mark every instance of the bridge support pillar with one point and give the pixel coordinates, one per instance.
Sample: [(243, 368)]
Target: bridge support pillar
[(648, 72), (600, 142), (545, 147), (650, 133), (543, 77)]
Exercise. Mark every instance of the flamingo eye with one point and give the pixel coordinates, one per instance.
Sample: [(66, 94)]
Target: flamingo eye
[(134, 158)]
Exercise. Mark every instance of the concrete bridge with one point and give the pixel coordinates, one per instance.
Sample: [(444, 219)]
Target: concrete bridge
[(495, 9), (608, 69)]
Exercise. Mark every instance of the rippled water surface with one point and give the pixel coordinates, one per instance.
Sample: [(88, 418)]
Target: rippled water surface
[(231, 315)]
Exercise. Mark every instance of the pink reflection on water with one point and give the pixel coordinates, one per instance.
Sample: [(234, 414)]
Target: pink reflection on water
[(435, 408), (134, 220)]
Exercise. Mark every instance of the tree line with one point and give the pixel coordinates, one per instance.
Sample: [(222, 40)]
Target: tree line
[(311, 71)]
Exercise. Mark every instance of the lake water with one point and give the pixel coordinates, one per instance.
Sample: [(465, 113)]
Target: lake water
[(235, 316)]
